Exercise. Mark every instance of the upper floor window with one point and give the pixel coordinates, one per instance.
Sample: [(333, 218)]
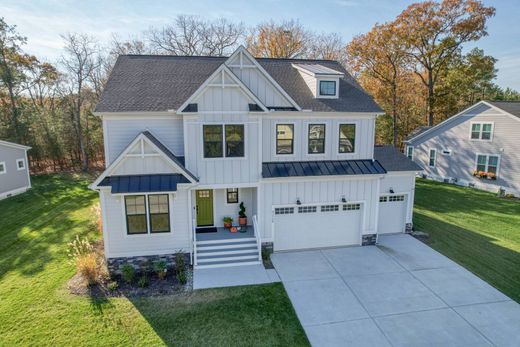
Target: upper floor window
[(409, 152), (328, 88), (20, 164), (2, 168), (284, 138), (433, 158), (316, 139), (214, 140), (481, 131), (487, 163), (347, 138)]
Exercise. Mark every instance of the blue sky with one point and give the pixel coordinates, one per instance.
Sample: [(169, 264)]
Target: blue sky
[(43, 21)]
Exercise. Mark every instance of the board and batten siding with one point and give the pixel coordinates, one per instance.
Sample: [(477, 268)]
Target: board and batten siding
[(119, 133), (223, 106), (319, 192), (364, 146), (455, 136), (13, 179), (120, 244), (400, 183), (223, 209)]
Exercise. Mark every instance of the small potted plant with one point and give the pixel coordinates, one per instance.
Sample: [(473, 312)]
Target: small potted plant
[(228, 221), (242, 218), (482, 174), (491, 176)]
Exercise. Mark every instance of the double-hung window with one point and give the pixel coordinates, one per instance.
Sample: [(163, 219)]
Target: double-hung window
[(20, 164), (347, 138), (433, 158), (316, 139), (147, 214), (487, 163), (481, 131), (284, 139), (223, 140)]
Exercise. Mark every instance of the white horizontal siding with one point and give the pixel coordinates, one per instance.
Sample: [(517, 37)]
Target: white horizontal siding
[(119, 133), (119, 244)]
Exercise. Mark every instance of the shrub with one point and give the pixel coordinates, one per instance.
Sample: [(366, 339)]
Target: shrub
[(78, 248), (181, 276), (87, 267), (143, 281), (159, 267), (128, 273), (112, 286)]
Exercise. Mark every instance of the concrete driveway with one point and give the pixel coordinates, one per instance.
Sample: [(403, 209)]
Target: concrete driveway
[(399, 293)]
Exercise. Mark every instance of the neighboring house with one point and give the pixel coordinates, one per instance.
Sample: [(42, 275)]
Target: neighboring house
[(187, 139), (479, 147), (14, 169)]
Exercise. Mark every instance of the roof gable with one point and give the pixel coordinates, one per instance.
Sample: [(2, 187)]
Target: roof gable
[(144, 145), (14, 145), (223, 78)]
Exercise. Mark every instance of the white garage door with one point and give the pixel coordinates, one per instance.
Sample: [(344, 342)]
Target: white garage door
[(316, 226), (392, 214)]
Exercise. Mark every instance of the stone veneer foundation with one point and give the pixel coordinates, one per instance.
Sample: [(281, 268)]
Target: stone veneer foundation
[(139, 263)]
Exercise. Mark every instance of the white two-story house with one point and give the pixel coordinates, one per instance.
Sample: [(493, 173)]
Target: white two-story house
[(188, 139)]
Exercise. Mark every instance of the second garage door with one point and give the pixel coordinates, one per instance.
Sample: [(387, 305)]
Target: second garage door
[(392, 214), (314, 226)]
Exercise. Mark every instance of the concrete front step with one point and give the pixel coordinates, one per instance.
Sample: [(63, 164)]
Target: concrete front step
[(213, 252), (209, 258), (208, 265), (225, 247), (227, 241)]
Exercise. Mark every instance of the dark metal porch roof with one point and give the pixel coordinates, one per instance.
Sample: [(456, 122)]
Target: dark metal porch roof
[(143, 183), (321, 168)]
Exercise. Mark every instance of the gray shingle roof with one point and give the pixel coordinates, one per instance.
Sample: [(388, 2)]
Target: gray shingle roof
[(393, 160), (161, 83), (321, 168), (418, 131), (512, 107), (143, 183)]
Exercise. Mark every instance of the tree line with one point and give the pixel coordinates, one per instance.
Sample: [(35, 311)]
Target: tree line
[(414, 67)]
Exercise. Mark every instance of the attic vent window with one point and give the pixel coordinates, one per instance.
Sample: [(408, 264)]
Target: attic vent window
[(328, 88), (191, 108)]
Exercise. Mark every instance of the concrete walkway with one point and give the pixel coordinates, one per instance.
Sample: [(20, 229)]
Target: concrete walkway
[(399, 293), (233, 276)]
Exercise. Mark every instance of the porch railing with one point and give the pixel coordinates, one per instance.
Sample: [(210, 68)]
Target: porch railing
[(256, 232), (194, 232)]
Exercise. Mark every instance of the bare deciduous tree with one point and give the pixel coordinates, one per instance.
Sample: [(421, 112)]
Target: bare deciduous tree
[(191, 35), (79, 63)]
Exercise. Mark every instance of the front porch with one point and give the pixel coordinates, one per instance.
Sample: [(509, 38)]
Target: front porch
[(225, 234)]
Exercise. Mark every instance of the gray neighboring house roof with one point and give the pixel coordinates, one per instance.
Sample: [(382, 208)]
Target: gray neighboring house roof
[(418, 131), (512, 107), (393, 160), (321, 168), (143, 183), (161, 83)]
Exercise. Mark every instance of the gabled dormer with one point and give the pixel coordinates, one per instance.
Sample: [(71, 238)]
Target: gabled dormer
[(322, 81)]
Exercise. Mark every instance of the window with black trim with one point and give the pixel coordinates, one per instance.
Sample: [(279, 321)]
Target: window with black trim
[(135, 208), (159, 213), (347, 138), (213, 141), (284, 138), (232, 195), (328, 88), (316, 139), (234, 140)]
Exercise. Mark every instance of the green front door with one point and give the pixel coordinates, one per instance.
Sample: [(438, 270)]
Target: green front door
[(204, 199)]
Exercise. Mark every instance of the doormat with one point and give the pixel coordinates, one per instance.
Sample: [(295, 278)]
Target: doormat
[(206, 230)]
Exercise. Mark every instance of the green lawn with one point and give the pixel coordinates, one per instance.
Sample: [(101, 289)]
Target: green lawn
[(36, 308), (474, 228)]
